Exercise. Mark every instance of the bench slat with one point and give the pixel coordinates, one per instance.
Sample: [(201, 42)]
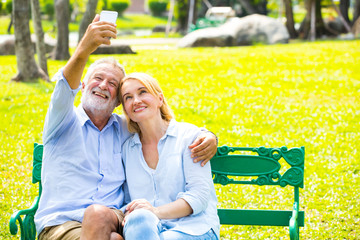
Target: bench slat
[(258, 217)]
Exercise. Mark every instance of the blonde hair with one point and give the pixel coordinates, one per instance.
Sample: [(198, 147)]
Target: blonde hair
[(152, 85)]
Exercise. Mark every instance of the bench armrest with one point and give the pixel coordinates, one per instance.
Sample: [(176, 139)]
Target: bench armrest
[(27, 226), (293, 226)]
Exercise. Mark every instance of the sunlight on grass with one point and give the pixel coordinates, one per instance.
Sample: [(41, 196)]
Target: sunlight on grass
[(305, 94)]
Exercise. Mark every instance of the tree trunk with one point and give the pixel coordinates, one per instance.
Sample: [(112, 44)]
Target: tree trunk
[(356, 13), (10, 24), (88, 17), (247, 6), (182, 9), (27, 67), (40, 44), (345, 22), (344, 9), (62, 12), (262, 7), (192, 13), (320, 28), (290, 24)]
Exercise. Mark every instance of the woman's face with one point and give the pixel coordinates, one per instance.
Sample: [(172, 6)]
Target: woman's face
[(138, 102)]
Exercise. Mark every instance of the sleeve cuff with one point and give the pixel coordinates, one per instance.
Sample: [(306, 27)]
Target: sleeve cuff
[(192, 201), (59, 76), (204, 130)]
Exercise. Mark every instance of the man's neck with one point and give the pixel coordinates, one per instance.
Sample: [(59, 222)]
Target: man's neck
[(98, 118)]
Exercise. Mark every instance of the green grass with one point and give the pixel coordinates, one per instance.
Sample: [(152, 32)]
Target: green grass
[(303, 94)]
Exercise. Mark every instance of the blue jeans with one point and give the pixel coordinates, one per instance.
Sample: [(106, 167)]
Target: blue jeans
[(142, 224)]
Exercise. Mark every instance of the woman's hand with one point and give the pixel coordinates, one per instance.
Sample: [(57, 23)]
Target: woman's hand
[(140, 203), (204, 147), (177, 209)]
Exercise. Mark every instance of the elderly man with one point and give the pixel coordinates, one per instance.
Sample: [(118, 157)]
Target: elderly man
[(82, 173)]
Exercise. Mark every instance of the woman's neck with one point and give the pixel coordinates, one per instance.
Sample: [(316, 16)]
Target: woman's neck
[(152, 130)]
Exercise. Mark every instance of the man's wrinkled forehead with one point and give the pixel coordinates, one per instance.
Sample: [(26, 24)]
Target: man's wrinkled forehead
[(106, 68)]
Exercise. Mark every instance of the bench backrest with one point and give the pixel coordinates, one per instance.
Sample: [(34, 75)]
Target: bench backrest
[(37, 163), (262, 169)]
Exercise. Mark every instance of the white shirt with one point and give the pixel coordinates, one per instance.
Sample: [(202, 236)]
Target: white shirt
[(176, 176)]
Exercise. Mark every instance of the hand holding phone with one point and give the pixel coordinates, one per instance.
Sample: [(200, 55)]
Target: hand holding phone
[(108, 16)]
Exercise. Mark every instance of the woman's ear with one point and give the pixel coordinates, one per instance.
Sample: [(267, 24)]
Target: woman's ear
[(161, 99)]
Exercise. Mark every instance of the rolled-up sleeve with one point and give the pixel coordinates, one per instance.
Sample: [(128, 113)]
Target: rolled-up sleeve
[(197, 188), (61, 105)]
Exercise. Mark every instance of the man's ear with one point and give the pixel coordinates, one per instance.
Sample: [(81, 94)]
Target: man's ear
[(82, 87)]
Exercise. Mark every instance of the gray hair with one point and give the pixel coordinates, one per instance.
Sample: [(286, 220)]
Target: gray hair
[(107, 60)]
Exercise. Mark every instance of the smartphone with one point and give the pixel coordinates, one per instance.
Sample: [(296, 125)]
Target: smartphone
[(108, 16)]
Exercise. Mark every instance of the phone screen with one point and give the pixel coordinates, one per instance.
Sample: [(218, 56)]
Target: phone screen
[(108, 16)]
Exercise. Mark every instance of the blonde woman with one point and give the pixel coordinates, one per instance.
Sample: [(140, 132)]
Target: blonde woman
[(171, 196)]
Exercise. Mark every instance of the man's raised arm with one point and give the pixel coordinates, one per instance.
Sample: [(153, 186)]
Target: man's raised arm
[(96, 34)]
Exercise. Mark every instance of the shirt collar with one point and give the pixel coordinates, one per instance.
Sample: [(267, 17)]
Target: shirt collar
[(84, 118), (170, 131)]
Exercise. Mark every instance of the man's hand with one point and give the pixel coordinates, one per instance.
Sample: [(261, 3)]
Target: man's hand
[(124, 220), (204, 148), (96, 34)]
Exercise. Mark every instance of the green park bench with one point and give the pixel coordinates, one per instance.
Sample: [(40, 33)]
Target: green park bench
[(263, 168)]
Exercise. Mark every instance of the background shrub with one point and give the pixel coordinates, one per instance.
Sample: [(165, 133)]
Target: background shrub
[(49, 9), (158, 7), (8, 6), (120, 6)]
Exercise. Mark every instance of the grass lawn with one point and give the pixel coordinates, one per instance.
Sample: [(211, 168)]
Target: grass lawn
[(303, 94)]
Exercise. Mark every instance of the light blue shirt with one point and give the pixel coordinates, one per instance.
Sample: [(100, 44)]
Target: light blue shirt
[(176, 176), (81, 165)]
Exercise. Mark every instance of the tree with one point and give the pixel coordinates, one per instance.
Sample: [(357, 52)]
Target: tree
[(356, 13), (88, 17), (313, 8), (182, 12), (254, 6), (8, 7), (262, 7), (27, 67), (343, 14), (62, 12), (290, 25), (344, 9), (247, 6), (183, 8), (40, 44)]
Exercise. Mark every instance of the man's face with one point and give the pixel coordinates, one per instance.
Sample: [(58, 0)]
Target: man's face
[(101, 91)]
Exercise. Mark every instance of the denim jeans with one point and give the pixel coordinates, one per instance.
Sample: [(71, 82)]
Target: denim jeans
[(142, 224)]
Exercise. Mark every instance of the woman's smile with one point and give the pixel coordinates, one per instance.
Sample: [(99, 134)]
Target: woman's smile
[(139, 109)]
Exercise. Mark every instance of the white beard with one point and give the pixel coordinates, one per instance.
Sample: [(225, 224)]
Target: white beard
[(98, 105)]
